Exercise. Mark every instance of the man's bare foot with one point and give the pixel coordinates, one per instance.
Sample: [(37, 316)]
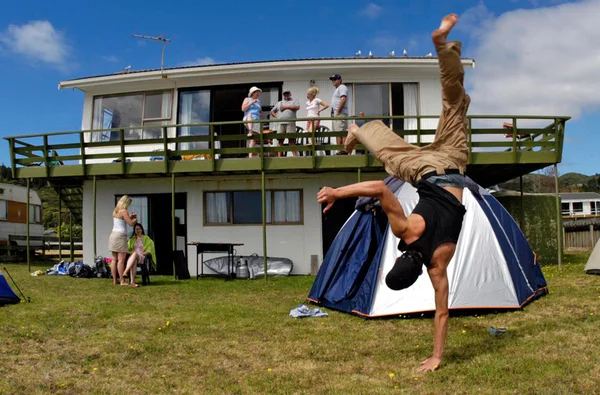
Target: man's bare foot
[(350, 140), (439, 36)]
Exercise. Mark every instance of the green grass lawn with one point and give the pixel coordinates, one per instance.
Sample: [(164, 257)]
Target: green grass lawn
[(210, 336)]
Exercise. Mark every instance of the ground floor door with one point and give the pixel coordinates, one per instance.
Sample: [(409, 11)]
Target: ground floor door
[(334, 219), (154, 213)]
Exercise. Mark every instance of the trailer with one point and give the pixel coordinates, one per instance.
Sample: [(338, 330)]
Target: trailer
[(13, 216)]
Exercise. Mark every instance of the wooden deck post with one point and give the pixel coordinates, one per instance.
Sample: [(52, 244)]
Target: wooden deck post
[(558, 218), (173, 240), (264, 221), (27, 220), (94, 219), (59, 224), (521, 213), (71, 249)]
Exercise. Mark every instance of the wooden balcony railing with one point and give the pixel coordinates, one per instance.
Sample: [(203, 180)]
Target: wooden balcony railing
[(492, 139)]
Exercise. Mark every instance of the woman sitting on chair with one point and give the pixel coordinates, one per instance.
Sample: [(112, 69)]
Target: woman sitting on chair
[(140, 246)]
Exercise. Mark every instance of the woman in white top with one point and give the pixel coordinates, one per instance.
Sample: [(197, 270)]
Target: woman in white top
[(314, 106), (117, 241)]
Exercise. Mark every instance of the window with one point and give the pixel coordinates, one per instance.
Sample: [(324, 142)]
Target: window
[(386, 100), (566, 209), (245, 207), (132, 110), (372, 100), (577, 207), (3, 210), (139, 205), (35, 214), (595, 207), (193, 107)]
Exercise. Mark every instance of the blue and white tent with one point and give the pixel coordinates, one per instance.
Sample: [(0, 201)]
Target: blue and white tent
[(7, 296), (493, 267)]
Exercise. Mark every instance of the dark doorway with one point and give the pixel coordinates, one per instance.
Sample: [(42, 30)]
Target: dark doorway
[(154, 212), (160, 226), (334, 219)]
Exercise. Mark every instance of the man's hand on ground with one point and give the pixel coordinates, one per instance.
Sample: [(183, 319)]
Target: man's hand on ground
[(430, 364), (326, 195)]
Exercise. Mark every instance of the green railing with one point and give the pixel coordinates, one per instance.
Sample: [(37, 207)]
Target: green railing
[(492, 139)]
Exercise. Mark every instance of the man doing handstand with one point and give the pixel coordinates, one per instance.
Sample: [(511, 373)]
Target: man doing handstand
[(429, 234)]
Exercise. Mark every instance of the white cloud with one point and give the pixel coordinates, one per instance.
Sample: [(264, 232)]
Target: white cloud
[(371, 11), (542, 61), (110, 58), (38, 41), (199, 62)]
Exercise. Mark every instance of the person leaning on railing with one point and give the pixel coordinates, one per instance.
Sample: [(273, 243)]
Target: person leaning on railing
[(314, 107), (252, 112)]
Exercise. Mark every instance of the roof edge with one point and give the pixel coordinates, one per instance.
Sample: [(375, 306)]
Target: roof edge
[(248, 67)]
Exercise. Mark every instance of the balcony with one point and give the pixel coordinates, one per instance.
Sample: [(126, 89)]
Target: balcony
[(501, 147)]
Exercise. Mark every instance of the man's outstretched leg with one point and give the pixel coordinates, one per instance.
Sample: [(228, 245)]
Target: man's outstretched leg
[(451, 133)]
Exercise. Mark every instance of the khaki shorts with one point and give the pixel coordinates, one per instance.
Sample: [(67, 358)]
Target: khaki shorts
[(340, 125), (286, 128)]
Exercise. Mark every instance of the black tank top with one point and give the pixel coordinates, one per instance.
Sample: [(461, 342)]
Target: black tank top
[(443, 215)]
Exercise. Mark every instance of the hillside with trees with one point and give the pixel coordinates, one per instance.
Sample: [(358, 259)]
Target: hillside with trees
[(543, 182)]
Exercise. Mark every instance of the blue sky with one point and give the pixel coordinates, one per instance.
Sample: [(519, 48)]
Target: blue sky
[(525, 65)]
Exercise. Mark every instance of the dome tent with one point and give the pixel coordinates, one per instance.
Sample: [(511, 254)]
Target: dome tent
[(493, 266)]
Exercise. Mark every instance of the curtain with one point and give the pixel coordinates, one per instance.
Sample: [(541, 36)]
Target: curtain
[(411, 102), (166, 105), (185, 111), (139, 205), (97, 121), (287, 206), (3, 209), (217, 207)]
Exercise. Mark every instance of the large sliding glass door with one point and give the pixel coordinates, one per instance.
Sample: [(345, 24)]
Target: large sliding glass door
[(372, 100), (194, 107), (221, 104), (383, 100)]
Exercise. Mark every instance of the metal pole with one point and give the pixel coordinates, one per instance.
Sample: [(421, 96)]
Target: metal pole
[(359, 175), (94, 219), (71, 236), (27, 220), (521, 213), (173, 244), (264, 222), (558, 217), (59, 224)]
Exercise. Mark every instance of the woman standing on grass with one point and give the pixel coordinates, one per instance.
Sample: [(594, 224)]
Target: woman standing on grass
[(139, 246), (117, 241)]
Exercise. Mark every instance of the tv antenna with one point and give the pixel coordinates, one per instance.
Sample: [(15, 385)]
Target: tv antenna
[(164, 43)]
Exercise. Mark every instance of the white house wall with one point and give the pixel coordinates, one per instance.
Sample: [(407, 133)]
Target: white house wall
[(297, 81), (297, 242)]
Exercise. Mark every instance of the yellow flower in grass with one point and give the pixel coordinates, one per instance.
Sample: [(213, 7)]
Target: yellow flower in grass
[(416, 378), (392, 375), (95, 369), (464, 331), (269, 369), (591, 313), (168, 323)]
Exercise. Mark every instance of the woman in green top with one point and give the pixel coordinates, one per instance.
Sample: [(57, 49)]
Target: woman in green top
[(140, 245)]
